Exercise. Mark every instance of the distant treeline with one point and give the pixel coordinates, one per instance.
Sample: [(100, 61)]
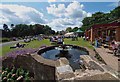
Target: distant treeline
[(22, 30), (101, 18)]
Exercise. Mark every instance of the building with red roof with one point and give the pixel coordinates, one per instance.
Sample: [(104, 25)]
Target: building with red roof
[(103, 30)]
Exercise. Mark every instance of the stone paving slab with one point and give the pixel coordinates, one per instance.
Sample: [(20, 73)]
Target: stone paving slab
[(109, 58), (105, 76), (100, 67)]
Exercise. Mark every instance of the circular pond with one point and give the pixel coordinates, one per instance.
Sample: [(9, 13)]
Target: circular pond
[(71, 52)]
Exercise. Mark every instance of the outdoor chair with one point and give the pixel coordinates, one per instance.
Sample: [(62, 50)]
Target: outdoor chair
[(105, 45), (27, 40), (118, 51)]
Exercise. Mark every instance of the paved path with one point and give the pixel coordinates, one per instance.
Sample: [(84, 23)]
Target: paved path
[(109, 58), (98, 68), (8, 43), (93, 63)]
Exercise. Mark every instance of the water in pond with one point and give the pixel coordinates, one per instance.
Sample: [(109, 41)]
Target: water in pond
[(73, 56)]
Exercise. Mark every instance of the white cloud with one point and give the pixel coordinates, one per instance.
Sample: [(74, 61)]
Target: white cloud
[(63, 23), (16, 14), (73, 10), (72, 15), (56, 11)]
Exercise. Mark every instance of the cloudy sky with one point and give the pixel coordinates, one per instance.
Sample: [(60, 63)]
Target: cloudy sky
[(58, 15)]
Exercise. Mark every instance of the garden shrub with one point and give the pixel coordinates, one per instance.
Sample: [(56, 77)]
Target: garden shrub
[(4, 39)]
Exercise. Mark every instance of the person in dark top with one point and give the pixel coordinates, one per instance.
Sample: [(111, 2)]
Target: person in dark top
[(60, 40), (18, 45)]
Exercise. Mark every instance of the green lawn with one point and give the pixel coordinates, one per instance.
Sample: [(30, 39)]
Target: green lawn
[(32, 44), (36, 44), (80, 42)]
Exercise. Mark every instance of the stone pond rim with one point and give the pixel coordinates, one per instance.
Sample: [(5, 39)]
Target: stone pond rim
[(70, 52), (42, 50)]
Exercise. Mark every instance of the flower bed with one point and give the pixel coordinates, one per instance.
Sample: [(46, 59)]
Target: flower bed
[(14, 54), (15, 74)]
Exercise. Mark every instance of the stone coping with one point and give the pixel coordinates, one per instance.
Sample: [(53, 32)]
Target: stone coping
[(42, 60), (42, 50), (53, 63)]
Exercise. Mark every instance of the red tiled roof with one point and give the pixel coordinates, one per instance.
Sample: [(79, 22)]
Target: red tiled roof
[(106, 25)]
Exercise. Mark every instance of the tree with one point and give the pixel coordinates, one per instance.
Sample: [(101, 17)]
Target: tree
[(6, 31), (12, 25), (87, 21), (47, 29), (22, 30), (69, 29), (52, 32), (75, 29), (115, 14), (5, 27), (101, 18)]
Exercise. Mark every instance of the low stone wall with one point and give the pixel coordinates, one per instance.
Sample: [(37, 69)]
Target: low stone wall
[(40, 70)]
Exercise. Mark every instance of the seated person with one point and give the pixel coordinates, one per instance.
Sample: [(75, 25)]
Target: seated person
[(114, 47), (18, 45), (60, 40), (83, 37), (118, 50), (107, 39), (53, 39), (100, 41), (27, 40)]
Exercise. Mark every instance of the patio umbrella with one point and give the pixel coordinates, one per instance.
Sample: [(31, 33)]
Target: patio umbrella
[(79, 31)]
